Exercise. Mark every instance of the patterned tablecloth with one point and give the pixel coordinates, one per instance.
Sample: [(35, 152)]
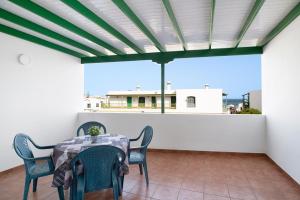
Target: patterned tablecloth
[(64, 152)]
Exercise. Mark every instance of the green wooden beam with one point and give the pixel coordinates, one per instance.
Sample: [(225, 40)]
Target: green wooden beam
[(255, 9), (174, 22), (162, 82), (293, 14), (134, 18), (80, 8), (168, 56), (211, 23), (35, 27), (42, 12), (37, 40)]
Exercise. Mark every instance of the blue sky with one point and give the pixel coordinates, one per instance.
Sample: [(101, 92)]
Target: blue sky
[(236, 75)]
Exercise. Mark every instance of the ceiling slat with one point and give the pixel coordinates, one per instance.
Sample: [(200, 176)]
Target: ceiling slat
[(174, 22), (293, 14), (76, 5), (37, 40), (257, 6), (167, 56), (211, 23), (134, 18), (35, 27), (42, 12)]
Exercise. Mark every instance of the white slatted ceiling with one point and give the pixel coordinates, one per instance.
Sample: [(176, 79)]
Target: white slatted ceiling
[(108, 11), (28, 31), (11, 7), (155, 17), (193, 17), (271, 13), (64, 11), (230, 16)]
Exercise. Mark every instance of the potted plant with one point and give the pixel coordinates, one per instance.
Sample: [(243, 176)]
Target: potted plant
[(94, 131)]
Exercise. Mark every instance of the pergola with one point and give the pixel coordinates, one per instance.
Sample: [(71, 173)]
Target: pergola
[(161, 31)]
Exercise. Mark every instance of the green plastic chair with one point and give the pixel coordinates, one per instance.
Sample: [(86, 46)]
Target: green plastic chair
[(34, 170), (101, 165), (85, 127), (138, 155)]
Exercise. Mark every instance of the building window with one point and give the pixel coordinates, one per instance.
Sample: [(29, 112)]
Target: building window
[(97, 105), (88, 105), (142, 102), (191, 102), (153, 102), (173, 101)]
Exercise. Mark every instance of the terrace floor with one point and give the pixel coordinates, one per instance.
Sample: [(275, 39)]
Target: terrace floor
[(195, 176)]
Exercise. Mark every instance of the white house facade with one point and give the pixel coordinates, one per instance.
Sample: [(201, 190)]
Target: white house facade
[(204, 100)]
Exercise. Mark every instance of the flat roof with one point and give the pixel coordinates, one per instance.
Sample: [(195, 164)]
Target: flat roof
[(142, 92)]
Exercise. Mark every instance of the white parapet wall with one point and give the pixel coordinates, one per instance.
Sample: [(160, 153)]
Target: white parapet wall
[(199, 132)]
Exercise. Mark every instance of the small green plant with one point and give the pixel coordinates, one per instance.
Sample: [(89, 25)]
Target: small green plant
[(94, 131), (250, 111)]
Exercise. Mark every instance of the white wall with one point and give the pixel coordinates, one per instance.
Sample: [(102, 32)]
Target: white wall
[(207, 100), (281, 98), (255, 99), (41, 99), (228, 133)]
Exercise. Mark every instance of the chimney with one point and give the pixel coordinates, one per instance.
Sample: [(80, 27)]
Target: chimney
[(206, 86), (138, 88), (169, 85)]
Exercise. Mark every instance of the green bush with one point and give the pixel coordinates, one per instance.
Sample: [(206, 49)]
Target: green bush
[(250, 111)]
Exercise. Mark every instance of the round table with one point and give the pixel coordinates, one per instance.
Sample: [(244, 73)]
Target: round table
[(65, 151)]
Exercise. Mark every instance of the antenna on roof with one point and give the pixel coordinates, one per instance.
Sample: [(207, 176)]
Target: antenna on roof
[(169, 85), (138, 88)]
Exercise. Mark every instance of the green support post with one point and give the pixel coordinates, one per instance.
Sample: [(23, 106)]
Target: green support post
[(162, 87)]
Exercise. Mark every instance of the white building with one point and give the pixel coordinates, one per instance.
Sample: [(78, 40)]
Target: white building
[(252, 99), (94, 103), (255, 99), (204, 100)]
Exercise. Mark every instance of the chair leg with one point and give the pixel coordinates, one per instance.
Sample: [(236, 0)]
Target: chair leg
[(121, 183), (34, 184), (72, 193), (116, 190), (60, 190), (141, 168), (26, 187), (146, 172)]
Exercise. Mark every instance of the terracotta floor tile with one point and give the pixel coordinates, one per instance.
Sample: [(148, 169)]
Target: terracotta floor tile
[(214, 197), (216, 189), (291, 196), (181, 176), (189, 195), (193, 184), (244, 193), (166, 193), (262, 194), (263, 184), (144, 190), (129, 196), (129, 184)]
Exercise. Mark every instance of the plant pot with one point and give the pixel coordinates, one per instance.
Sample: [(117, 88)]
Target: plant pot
[(94, 139)]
